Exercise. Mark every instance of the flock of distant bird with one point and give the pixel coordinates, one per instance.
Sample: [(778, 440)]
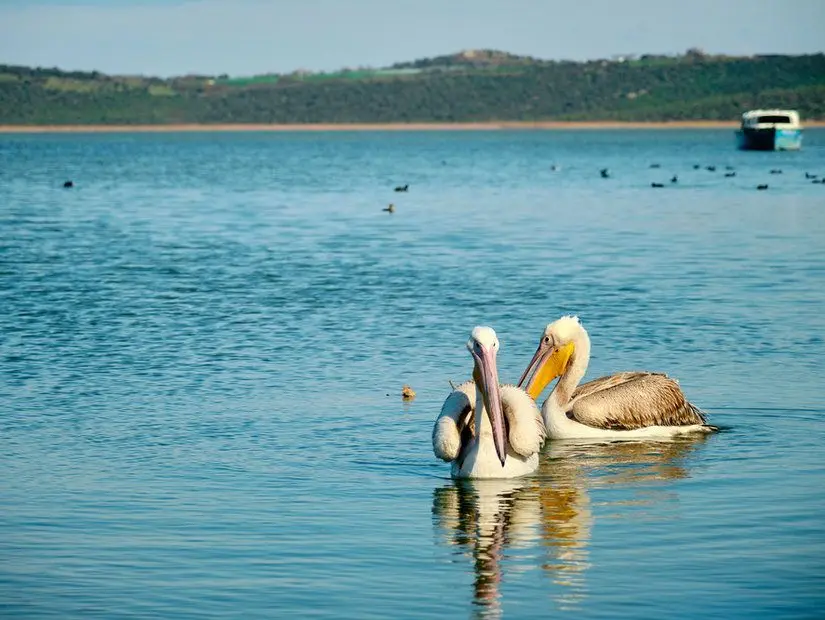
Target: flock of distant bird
[(730, 172), (605, 174)]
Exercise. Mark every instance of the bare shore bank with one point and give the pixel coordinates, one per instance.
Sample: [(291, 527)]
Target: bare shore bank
[(487, 126)]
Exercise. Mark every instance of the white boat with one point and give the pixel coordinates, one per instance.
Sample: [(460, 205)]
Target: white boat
[(770, 130)]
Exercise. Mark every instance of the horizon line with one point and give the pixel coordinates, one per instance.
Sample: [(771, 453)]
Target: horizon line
[(618, 58)]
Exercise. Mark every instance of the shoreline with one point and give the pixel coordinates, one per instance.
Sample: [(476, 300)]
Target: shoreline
[(485, 126)]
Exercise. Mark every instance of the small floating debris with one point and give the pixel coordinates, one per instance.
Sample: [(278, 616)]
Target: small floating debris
[(407, 393), (763, 186), (605, 172), (402, 188), (68, 183), (390, 208), (776, 171), (657, 185), (674, 179), (730, 174)]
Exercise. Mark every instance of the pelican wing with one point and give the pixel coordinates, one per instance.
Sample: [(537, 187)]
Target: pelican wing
[(455, 425), (525, 427), (632, 400)]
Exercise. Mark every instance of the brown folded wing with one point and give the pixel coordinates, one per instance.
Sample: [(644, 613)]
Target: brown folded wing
[(632, 400)]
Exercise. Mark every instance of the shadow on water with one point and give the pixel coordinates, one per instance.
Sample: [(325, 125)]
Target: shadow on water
[(499, 524)]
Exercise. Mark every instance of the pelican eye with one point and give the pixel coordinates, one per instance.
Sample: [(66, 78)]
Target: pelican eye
[(547, 340)]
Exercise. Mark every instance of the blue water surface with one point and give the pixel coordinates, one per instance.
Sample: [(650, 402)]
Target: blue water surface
[(203, 344)]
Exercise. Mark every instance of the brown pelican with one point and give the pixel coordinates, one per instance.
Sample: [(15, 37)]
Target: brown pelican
[(487, 430), (627, 405)]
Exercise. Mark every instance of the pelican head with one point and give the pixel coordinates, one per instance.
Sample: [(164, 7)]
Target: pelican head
[(483, 346), (552, 355)]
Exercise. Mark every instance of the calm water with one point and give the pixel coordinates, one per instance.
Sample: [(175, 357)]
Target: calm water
[(204, 342)]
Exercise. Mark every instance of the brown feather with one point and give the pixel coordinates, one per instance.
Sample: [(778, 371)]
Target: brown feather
[(631, 400), (466, 430)]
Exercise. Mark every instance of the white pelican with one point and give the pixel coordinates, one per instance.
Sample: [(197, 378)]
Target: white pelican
[(485, 429), (627, 405)]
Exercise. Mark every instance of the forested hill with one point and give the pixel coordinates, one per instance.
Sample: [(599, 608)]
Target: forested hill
[(479, 85)]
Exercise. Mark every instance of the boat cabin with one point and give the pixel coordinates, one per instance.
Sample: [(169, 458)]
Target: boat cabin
[(770, 119)]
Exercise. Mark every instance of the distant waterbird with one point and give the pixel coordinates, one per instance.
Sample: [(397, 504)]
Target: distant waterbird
[(710, 168), (657, 185), (488, 430), (605, 172), (730, 174), (808, 175), (627, 405), (763, 186), (402, 188), (655, 166), (696, 166), (68, 184), (674, 179), (390, 208), (776, 171)]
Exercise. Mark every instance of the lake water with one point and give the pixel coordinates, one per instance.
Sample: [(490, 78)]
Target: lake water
[(204, 343)]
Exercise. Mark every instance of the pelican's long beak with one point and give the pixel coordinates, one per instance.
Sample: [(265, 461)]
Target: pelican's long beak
[(486, 378), (548, 363)]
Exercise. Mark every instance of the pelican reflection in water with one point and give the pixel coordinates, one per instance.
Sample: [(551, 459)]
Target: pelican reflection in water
[(483, 519), (508, 526)]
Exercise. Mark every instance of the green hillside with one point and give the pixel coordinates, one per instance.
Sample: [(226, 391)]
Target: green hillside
[(479, 85)]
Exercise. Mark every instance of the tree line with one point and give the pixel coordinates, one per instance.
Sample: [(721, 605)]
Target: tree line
[(689, 87)]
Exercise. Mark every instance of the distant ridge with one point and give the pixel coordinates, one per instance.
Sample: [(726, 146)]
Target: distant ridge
[(470, 59), (470, 86)]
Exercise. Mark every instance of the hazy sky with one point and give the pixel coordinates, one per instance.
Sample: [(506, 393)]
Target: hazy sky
[(242, 37)]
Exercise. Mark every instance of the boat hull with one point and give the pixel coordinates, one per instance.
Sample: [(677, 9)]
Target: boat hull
[(769, 139)]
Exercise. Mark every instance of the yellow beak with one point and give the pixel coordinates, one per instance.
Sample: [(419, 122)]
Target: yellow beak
[(551, 366)]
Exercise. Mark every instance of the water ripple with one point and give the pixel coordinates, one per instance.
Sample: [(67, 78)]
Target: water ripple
[(203, 344)]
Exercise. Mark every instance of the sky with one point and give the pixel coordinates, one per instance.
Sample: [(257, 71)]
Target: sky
[(246, 37)]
